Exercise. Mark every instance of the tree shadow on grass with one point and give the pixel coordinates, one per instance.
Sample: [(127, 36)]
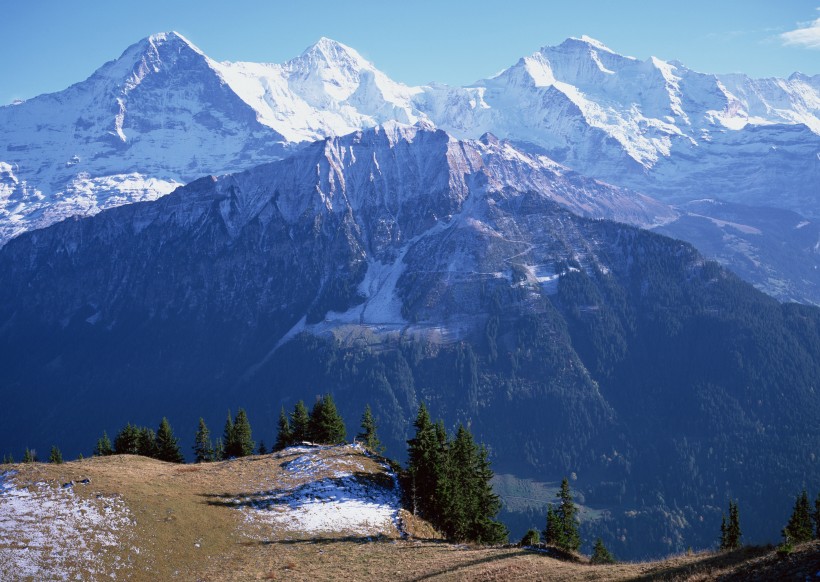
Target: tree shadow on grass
[(466, 565), (360, 486), (707, 566), (321, 541)]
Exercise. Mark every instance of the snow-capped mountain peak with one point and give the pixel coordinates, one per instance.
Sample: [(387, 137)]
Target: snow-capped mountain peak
[(330, 89), (154, 54), (588, 40), (334, 54), (327, 69)]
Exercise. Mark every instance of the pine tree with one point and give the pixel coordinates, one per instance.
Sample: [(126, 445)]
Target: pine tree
[(567, 534), (219, 450), (8, 459), (127, 440), (799, 528), (724, 533), (147, 442), (229, 438), (531, 538), (103, 447), (284, 435), (448, 481), (29, 456), (424, 463), (551, 530), (203, 448), (733, 533), (600, 554), (326, 425), (482, 502), (369, 437), (56, 456), (299, 422), (262, 449), (168, 444), (243, 442)]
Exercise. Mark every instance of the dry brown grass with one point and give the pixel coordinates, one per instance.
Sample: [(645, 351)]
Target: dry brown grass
[(183, 535)]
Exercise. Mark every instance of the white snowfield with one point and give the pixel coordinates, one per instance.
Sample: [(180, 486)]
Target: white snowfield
[(47, 531), (322, 493)]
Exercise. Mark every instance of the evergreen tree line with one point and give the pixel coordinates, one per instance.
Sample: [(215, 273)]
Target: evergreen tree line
[(803, 525), (447, 482), (799, 527), (30, 456), (141, 440), (322, 425), (562, 527)]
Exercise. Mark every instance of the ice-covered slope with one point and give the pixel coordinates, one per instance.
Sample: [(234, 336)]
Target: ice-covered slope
[(330, 89), (653, 125), (141, 125)]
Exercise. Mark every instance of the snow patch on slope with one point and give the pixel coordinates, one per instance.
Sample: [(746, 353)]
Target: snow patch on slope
[(327, 494), (47, 531)]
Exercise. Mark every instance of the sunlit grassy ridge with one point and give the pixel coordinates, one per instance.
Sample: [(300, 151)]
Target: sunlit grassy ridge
[(278, 517)]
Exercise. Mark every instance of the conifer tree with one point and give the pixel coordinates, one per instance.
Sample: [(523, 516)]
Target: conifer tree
[(724, 532), (103, 447), (326, 425), (799, 528), (168, 444), (551, 530), (262, 449), (29, 456), (448, 482), (203, 448), (8, 459), (731, 531), (471, 498), (146, 442), (55, 456), (566, 530), (243, 442), (600, 554), (127, 440), (424, 460), (284, 435), (219, 450), (531, 538), (299, 421), (369, 437), (229, 438)]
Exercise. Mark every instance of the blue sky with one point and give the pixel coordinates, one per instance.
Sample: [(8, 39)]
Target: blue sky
[(47, 45)]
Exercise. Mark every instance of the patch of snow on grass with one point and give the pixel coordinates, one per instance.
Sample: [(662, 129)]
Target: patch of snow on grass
[(49, 532), (327, 494)]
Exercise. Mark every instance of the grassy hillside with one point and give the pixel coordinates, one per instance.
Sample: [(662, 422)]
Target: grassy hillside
[(306, 513)]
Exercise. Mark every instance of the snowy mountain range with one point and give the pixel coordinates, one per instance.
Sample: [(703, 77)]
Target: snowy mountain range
[(164, 114)]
